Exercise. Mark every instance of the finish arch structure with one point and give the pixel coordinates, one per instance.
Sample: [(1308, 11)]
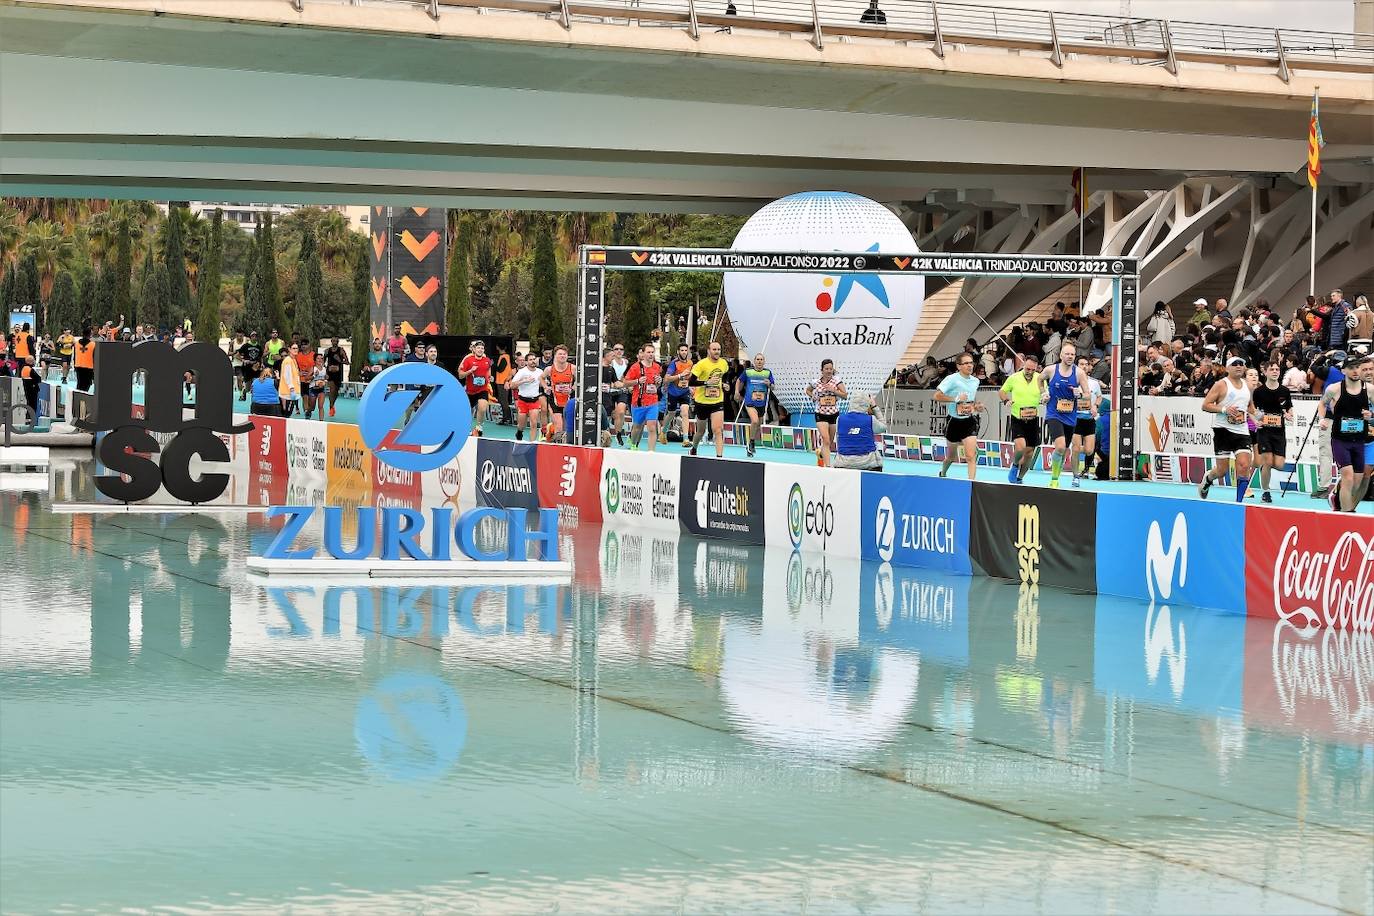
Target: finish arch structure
[(1121, 275)]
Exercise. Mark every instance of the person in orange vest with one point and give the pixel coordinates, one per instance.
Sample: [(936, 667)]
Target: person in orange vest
[(501, 374), (84, 360), (23, 343)]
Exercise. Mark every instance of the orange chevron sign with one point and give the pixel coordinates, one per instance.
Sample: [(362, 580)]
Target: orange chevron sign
[(640, 257), (901, 262), (377, 210), (419, 211), (378, 290), (419, 249), (379, 243), (419, 294)]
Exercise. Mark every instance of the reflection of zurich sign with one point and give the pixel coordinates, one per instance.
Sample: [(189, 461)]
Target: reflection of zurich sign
[(411, 726), (438, 428), (1159, 562)]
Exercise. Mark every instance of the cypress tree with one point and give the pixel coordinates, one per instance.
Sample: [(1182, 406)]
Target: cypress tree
[(27, 289), (252, 317), (207, 320), (154, 299), (458, 311), (102, 305), (64, 308), (268, 289), (639, 318), (7, 286), (309, 289), (362, 320), (546, 317), (174, 257), (123, 272)]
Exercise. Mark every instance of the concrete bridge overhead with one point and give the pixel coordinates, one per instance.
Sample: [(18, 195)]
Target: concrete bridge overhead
[(383, 102)]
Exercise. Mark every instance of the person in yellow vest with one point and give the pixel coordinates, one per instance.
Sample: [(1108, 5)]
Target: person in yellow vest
[(289, 383), (66, 346), (84, 358)]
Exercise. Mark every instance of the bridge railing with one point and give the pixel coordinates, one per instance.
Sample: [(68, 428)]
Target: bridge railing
[(939, 24)]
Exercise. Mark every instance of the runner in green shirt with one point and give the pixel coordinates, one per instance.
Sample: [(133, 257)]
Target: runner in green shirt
[(1023, 393)]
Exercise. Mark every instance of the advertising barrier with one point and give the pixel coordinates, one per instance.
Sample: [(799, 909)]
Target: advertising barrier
[(811, 508), (1178, 426), (915, 412), (307, 447), (641, 489), (1310, 568), (1035, 536), (916, 521), (507, 475), (567, 481), (1172, 551), (723, 499)]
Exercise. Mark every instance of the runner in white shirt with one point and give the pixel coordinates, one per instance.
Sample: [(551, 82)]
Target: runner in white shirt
[(526, 383)]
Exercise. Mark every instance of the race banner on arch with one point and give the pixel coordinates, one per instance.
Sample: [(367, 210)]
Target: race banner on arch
[(406, 251)]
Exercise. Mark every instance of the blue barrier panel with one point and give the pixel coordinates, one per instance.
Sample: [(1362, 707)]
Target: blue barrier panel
[(1173, 551), (923, 611), (1173, 657), (916, 521), (507, 475)]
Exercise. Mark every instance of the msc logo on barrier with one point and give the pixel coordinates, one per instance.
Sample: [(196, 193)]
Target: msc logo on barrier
[(129, 440), (805, 517), (1028, 544), (441, 423)]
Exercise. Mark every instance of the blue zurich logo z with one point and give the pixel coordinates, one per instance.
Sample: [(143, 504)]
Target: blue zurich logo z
[(434, 433)]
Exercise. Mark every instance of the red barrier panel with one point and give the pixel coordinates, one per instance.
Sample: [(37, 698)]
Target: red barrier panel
[(568, 480), (1310, 568)]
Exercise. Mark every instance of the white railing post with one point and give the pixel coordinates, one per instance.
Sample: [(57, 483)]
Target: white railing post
[(1055, 54), (692, 20), (1283, 56), (433, 10), (817, 39), (298, 5), (939, 48), (563, 16), (1170, 62)]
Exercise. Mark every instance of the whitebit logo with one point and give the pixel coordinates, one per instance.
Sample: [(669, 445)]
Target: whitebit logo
[(567, 482), (702, 492), (1160, 563)]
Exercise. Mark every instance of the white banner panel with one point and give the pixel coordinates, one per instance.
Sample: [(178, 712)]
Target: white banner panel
[(454, 484), (640, 489), (1178, 426), (811, 509), (306, 448)]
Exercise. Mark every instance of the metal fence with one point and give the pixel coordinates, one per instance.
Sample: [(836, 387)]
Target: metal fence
[(939, 25)]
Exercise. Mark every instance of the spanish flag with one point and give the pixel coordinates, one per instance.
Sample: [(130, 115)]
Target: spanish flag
[(1314, 145), (1080, 190)]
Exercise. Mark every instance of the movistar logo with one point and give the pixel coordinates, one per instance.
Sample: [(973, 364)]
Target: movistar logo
[(826, 301)]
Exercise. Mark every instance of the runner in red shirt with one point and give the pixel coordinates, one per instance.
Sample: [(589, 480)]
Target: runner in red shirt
[(644, 380), (475, 373)]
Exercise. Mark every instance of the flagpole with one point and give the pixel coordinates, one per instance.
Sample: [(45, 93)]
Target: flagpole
[(1312, 249), (1314, 170), (1081, 207)]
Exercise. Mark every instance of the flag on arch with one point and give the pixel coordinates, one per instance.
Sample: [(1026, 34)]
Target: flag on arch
[(1080, 191), (1314, 144)]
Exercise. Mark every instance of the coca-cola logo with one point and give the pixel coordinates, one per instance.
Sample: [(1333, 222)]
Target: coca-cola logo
[(1336, 588)]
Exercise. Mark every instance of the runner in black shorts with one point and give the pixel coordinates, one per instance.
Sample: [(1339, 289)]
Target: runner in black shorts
[(251, 354), (1274, 407), (958, 393), (1023, 392)]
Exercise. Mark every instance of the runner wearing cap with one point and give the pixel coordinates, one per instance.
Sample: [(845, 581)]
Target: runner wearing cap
[(1230, 401), (1023, 393), (1273, 408)]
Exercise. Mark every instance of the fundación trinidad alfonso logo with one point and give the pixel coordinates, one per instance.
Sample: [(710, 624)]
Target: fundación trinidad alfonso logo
[(1159, 432), (612, 491), (430, 436), (828, 302)]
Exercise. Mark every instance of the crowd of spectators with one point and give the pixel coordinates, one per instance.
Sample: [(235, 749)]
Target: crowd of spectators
[(1175, 358)]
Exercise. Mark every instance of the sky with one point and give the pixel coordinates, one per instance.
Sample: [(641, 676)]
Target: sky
[(1314, 15)]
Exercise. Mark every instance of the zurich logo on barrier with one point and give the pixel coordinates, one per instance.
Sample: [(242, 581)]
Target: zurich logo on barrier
[(440, 425)]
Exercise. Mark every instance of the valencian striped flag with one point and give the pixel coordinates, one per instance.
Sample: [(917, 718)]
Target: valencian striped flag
[(1080, 190), (1314, 145)]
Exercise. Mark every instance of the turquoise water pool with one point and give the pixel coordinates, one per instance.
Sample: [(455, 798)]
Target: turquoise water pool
[(688, 726)]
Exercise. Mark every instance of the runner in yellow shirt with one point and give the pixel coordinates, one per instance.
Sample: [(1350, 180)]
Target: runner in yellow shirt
[(1023, 393), (708, 392), (66, 346)]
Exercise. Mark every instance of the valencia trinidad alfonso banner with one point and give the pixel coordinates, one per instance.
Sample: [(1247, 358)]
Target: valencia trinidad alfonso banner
[(1311, 569)]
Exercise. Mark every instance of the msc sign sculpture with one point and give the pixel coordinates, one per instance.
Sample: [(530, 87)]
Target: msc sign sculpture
[(194, 427)]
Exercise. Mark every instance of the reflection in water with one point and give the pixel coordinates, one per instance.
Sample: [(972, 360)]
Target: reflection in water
[(691, 725)]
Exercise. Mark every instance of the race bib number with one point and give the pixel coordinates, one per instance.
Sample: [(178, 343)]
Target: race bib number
[(1029, 413), (1273, 419), (650, 389), (713, 386), (757, 397), (827, 401), (479, 380), (1235, 415), (1352, 425), (1085, 405), (964, 408), (1064, 405), (562, 388)]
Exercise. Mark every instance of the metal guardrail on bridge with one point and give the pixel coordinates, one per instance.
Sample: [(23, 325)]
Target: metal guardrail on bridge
[(1159, 42)]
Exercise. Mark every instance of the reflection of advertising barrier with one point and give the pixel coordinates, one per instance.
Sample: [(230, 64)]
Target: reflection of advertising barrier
[(1306, 568)]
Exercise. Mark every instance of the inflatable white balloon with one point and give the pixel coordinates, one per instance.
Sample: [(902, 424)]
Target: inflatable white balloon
[(863, 322)]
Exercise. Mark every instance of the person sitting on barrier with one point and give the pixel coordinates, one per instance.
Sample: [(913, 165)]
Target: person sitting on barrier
[(859, 432), (266, 401)]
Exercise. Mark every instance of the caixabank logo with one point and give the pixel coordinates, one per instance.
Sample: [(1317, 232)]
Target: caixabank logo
[(723, 499), (195, 427)]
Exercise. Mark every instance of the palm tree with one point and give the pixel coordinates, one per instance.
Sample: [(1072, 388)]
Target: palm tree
[(11, 232), (335, 238), (51, 248), (102, 230)]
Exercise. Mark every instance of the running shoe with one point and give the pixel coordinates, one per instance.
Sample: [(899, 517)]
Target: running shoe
[(619, 437), (1267, 497), (331, 411), (943, 471), (519, 434), (1011, 476), (1332, 499), (1204, 487), (634, 446), (1077, 482), (1054, 483), (750, 450), (693, 451)]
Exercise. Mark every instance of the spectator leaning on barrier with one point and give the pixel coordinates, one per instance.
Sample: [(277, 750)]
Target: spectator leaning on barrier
[(859, 431)]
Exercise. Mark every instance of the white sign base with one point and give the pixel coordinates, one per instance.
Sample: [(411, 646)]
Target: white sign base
[(29, 456)]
